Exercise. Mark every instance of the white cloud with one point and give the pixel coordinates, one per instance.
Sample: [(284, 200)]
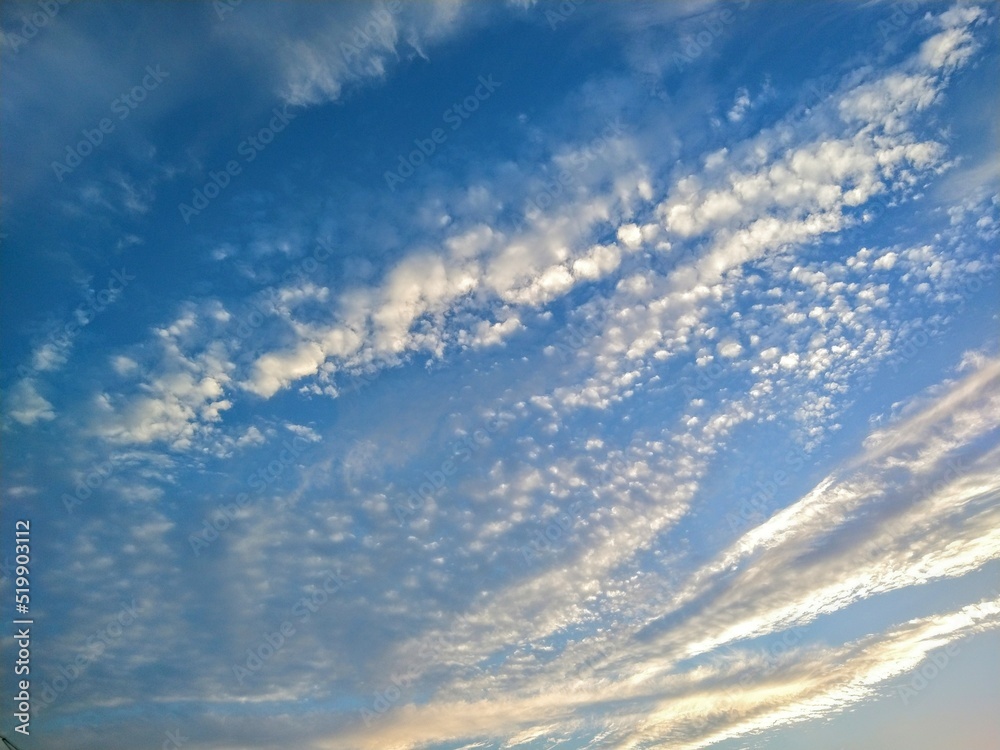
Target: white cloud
[(26, 405), (778, 191), (789, 361), (692, 710), (316, 53), (757, 199), (252, 436), (740, 106), (885, 262), (953, 47), (51, 355), (630, 235), (539, 261), (730, 348), (808, 560), (491, 334), (185, 393), (303, 431)]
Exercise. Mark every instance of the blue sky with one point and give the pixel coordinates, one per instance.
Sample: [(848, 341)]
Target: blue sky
[(503, 375)]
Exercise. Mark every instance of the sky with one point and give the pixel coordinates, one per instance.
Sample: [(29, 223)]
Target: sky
[(456, 375)]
